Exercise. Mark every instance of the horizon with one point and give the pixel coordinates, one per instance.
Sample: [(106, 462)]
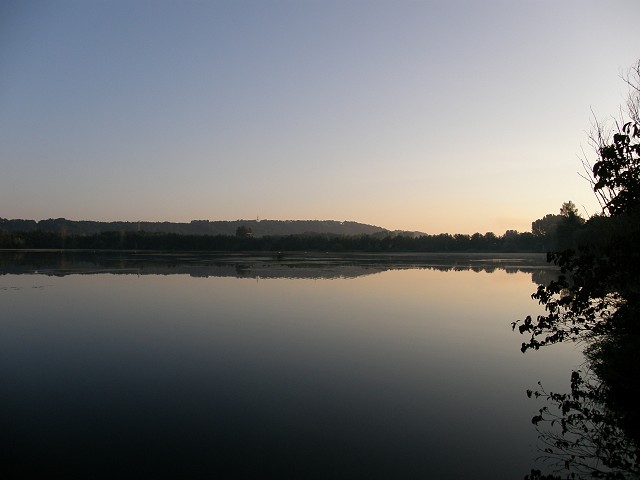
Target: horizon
[(416, 116), (267, 220)]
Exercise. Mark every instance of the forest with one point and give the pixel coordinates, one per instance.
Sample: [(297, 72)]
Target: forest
[(553, 231)]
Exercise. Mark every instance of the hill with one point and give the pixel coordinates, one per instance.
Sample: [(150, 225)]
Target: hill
[(195, 227)]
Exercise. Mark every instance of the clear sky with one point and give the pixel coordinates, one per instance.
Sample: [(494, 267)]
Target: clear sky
[(447, 116)]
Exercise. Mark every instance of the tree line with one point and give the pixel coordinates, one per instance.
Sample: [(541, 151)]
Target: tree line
[(511, 241), (562, 230), (195, 227)]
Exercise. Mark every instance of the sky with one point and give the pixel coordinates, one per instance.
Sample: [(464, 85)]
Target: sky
[(435, 116)]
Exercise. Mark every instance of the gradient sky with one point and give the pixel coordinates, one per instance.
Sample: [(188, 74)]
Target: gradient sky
[(448, 116)]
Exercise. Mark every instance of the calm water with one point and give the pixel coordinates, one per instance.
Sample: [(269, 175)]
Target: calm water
[(299, 367)]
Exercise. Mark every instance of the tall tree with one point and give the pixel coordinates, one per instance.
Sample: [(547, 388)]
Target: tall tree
[(545, 226)]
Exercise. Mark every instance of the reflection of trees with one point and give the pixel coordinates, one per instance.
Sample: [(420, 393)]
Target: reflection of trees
[(544, 276), (254, 265), (594, 430), (242, 270), (580, 433)]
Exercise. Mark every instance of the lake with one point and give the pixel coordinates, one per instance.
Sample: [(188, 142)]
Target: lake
[(277, 366)]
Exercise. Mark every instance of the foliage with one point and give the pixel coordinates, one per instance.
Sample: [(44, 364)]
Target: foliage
[(569, 210), (617, 171), (599, 279), (195, 227), (558, 232), (579, 432), (545, 226), (511, 241), (596, 299), (243, 231)]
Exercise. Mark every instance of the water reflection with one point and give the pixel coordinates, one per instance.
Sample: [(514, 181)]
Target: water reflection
[(405, 373), (583, 434), (279, 265)]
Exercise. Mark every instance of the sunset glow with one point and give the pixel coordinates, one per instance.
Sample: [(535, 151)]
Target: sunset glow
[(430, 116)]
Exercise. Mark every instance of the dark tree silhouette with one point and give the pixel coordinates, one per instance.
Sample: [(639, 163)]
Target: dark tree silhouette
[(545, 226), (243, 231), (594, 430)]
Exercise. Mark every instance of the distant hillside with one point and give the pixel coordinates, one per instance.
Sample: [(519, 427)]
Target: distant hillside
[(195, 227)]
